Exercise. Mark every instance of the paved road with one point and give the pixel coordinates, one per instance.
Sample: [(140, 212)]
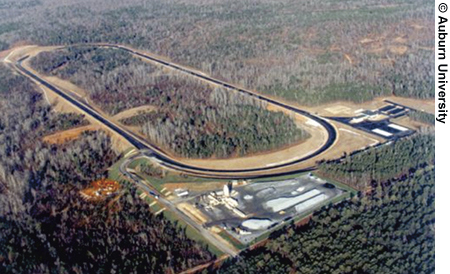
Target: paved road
[(140, 182), (149, 150), (159, 154)]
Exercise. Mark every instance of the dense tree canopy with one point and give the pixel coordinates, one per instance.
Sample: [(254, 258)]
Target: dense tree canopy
[(46, 226), (387, 230), (391, 231), (307, 51), (381, 163), (191, 118)]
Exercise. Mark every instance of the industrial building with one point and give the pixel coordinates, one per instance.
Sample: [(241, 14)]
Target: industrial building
[(249, 210)]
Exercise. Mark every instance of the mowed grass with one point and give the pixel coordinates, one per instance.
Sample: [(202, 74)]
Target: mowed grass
[(171, 177), (191, 232), (155, 207), (349, 191), (233, 241), (336, 183), (278, 178), (115, 174)]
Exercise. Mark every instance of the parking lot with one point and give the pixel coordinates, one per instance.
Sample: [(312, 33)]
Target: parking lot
[(248, 211), (378, 121)]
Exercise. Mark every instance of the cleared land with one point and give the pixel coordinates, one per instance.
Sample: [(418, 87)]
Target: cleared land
[(219, 123), (272, 158), (249, 211), (346, 141), (100, 190), (68, 135), (132, 112)]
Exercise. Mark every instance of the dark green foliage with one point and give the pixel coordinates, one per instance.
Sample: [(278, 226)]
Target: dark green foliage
[(245, 130), (46, 226), (108, 75), (383, 162), (141, 118), (64, 121), (387, 230), (79, 60), (191, 118), (213, 131), (151, 170), (422, 117), (391, 231)]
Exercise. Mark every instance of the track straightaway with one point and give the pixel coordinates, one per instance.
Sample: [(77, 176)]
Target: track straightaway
[(159, 154)]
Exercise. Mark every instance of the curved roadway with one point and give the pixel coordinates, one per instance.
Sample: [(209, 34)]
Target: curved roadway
[(156, 152)]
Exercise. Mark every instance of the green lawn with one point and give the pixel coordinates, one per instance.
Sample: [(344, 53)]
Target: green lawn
[(191, 232), (279, 178), (149, 200), (233, 241), (113, 172), (338, 184), (157, 183), (170, 177)]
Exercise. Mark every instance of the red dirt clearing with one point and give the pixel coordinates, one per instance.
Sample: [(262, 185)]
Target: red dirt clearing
[(99, 190)]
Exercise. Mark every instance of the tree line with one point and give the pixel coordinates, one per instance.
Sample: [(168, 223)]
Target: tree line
[(192, 119), (309, 52), (387, 230), (421, 116), (386, 161), (46, 226)]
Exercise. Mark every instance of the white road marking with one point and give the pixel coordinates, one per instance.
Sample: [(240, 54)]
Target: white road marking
[(45, 94), (349, 131), (312, 123), (282, 162), (6, 59), (159, 211), (130, 152), (382, 132)]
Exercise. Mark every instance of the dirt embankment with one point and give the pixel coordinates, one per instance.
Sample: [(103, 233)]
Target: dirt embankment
[(132, 112), (68, 135)]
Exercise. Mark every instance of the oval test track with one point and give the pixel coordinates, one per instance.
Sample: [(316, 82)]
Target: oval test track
[(141, 144)]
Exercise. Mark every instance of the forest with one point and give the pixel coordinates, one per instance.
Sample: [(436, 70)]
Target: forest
[(307, 52), (421, 116), (191, 118), (46, 226), (310, 52), (387, 230), (361, 169), (64, 121)]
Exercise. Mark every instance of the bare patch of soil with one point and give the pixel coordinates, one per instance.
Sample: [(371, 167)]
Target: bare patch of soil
[(68, 135)]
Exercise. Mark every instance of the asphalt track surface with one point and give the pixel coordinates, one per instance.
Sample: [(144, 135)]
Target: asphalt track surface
[(169, 205), (159, 155)]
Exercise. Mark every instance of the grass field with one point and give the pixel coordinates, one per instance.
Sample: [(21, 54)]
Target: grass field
[(169, 177), (191, 232), (227, 237), (115, 174), (172, 178)]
